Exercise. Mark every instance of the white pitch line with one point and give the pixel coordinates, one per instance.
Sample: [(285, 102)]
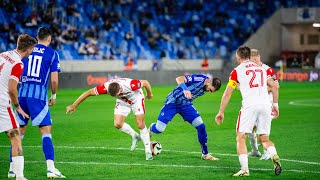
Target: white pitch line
[(175, 151), (172, 166), (304, 103)]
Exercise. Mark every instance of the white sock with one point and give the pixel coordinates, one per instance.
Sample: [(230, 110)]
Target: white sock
[(50, 165), (126, 128), (253, 142), (272, 151), (18, 166), (243, 159), (11, 166), (144, 134)]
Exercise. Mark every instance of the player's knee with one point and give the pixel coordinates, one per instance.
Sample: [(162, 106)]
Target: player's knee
[(201, 128), (118, 125), (158, 127)]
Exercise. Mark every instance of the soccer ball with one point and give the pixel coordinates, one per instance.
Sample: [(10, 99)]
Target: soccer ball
[(156, 148)]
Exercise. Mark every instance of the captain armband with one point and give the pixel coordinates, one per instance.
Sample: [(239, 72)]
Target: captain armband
[(232, 84)]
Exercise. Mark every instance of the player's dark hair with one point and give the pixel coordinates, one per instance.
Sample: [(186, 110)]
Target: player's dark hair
[(244, 52), (113, 89), (25, 42), (216, 83), (43, 33)]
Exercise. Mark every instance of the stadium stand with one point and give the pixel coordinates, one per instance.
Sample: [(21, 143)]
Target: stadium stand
[(153, 29)]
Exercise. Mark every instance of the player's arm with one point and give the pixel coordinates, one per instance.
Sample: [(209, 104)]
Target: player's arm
[(275, 93), (13, 88), (147, 87), (71, 108), (54, 69), (54, 87), (181, 80), (232, 84)]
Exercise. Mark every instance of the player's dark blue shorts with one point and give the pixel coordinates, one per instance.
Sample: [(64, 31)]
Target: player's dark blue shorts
[(188, 112), (37, 109)]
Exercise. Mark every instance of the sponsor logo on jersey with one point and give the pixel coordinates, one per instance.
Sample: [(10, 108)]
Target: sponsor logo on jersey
[(26, 79)]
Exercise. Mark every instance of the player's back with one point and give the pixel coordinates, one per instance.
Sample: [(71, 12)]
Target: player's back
[(8, 60), (36, 72), (253, 84), (195, 84)]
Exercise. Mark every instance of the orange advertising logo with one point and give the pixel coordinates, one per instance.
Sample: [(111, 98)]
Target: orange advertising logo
[(96, 80)]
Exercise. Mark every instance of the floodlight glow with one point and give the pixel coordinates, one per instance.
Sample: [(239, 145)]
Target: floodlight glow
[(316, 25)]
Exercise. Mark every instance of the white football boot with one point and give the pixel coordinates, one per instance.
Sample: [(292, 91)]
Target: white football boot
[(11, 174), (242, 173), (135, 141), (55, 174)]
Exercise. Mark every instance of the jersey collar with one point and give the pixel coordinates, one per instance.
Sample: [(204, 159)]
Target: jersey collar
[(16, 51)]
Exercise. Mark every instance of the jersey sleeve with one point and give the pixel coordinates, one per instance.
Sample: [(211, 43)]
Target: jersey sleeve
[(135, 84), (16, 72), (271, 73), (233, 79), (55, 66), (100, 89), (195, 78)]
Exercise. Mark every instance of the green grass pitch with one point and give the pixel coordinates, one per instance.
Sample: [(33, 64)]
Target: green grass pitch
[(87, 146)]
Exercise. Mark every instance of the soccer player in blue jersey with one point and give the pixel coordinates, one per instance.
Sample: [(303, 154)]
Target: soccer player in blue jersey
[(180, 101), (42, 63)]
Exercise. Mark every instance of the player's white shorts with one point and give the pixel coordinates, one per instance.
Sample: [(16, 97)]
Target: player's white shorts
[(258, 115), (123, 108), (7, 119)]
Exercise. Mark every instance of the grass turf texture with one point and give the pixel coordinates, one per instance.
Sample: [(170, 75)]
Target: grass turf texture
[(87, 146)]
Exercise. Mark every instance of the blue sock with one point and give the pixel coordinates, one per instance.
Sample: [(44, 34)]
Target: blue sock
[(47, 147), (203, 138)]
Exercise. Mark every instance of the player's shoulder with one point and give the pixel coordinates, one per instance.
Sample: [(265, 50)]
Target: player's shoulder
[(265, 66)]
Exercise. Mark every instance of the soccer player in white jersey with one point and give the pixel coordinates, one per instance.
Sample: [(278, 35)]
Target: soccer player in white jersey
[(255, 110), (255, 57), (11, 68), (129, 96)]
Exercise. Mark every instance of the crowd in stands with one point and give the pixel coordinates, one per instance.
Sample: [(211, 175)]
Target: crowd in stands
[(153, 29)]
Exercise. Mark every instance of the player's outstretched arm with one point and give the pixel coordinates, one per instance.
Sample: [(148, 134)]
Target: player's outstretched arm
[(275, 93), (147, 86), (54, 88), (224, 102), (71, 108), (181, 80)]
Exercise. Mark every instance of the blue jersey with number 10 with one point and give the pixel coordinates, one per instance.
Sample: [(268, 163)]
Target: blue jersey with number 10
[(37, 68)]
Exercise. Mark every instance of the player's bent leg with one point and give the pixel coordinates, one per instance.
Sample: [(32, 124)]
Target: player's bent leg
[(144, 134), (254, 145), (269, 146), (202, 138), (158, 127), (242, 155), (48, 150), (11, 174), (17, 153), (126, 128)]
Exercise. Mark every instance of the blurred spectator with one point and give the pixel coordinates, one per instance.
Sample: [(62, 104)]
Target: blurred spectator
[(129, 65), (205, 64), (89, 48)]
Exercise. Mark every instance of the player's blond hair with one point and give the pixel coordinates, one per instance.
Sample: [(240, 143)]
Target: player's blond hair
[(254, 52)]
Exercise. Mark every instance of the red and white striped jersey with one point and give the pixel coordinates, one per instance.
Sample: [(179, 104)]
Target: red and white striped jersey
[(131, 89), (11, 67), (252, 80)]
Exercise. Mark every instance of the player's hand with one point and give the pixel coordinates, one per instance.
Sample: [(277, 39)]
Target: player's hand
[(70, 109), (52, 102), (22, 113), (275, 112), (149, 96), (187, 94), (219, 118)]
